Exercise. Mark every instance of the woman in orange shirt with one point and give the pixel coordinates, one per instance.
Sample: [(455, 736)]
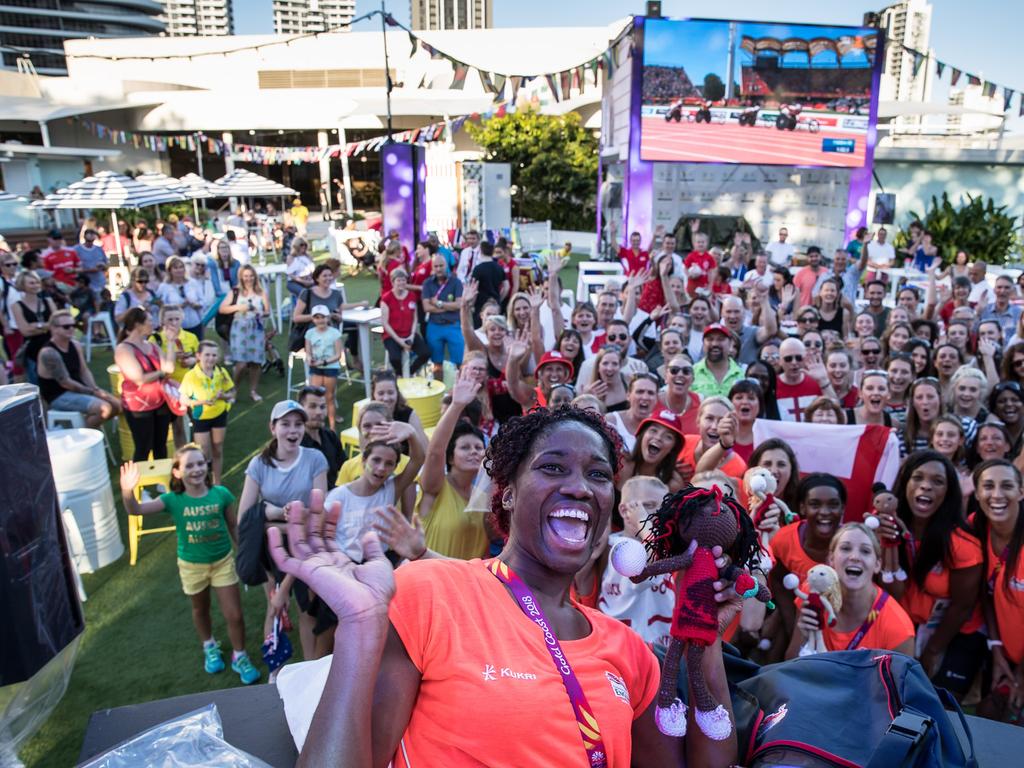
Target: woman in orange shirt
[(1000, 526), (945, 569), (468, 663), (799, 546), (868, 617)]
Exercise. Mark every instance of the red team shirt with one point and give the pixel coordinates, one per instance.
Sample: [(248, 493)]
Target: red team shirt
[(703, 260), (59, 262), (401, 312), (633, 262), (793, 398)]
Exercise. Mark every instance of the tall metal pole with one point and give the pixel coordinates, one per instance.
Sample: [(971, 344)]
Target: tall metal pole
[(199, 165), (387, 68), (346, 179)]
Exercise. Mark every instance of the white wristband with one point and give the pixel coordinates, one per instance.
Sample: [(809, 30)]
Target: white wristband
[(993, 643)]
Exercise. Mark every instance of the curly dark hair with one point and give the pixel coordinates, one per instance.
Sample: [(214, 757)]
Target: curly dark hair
[(513, 443), (661, 529)]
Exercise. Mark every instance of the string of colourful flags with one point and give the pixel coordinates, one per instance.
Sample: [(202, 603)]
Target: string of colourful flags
[(989, 89), (273, 155)]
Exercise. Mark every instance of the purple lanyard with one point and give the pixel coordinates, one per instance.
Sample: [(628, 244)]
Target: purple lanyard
[(873, 614), (586, 721)]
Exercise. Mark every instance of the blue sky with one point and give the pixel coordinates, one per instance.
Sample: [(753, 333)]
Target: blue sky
[(980, 36)]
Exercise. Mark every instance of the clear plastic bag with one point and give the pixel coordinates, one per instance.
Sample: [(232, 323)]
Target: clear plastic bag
[(194, 740)]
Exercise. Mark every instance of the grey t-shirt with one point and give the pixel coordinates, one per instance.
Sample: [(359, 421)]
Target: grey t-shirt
[(279, 486), (748, 346), (93, 257)]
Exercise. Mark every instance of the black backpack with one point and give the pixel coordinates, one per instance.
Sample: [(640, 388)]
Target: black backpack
[(864, 708)]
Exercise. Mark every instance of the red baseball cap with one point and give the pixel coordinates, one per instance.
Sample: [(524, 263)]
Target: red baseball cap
[(718, 328), (665, 418), (554, 356)]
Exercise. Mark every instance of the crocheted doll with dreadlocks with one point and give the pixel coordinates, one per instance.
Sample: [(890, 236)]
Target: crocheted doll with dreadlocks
[(680, 537)]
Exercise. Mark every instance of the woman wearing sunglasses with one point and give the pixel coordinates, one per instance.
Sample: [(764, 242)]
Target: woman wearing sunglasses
[(138, 294), (677, 396)]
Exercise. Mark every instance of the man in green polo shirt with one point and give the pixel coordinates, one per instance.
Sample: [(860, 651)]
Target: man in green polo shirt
[(717, 371)]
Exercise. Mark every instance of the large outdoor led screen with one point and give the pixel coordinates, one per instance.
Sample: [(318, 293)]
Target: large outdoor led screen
[(753, 92)]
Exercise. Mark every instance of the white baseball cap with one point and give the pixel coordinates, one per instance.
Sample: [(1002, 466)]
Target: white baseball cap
[(320, 309)]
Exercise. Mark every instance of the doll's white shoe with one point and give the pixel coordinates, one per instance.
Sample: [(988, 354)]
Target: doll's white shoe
[(714, 724), (888, 577), (901, 575), (671, 720), (807, 649)]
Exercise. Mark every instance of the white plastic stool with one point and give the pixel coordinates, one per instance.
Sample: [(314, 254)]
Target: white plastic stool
[(292, 357), (103, 319)]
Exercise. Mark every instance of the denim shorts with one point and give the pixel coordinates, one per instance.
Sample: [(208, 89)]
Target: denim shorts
[(74, 401), (331, 373)]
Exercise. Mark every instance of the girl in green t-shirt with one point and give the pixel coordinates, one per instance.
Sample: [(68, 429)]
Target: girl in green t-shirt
[(204, 515)]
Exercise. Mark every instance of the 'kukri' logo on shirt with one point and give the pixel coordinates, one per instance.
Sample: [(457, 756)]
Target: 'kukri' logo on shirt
[(490, 672)]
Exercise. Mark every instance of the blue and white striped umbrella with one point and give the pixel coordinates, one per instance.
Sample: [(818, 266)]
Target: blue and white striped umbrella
[(243, 183), (6, 197), (196, 187), (114, 190)]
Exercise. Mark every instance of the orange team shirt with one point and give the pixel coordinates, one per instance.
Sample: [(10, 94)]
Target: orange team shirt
[(787, 550), (919, 602), (733, 467), (891, 628), (490, 694), (1008, 602)]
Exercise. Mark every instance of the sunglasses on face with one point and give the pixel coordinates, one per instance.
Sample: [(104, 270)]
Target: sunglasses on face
[(10, 264), (770, 356), (142, 282), (793, 359), (871, 351), (675, 370), (65, 326), (814, 344), (808, 319), (618, 336)]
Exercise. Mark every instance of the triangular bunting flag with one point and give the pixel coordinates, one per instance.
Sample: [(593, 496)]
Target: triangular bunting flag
[(918, 59), (552, 86), (499, 86), (485, 81), (988, 89), (565, 80), (954, 75), (1007, 98), (939, 68), (412, 44), (972, 80), (459, 80), (516, 81)]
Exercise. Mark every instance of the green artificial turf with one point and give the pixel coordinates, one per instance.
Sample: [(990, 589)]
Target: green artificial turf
[(139, 643)]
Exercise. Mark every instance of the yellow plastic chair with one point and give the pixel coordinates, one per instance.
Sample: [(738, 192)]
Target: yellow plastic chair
[(151, 473), (350, 441)]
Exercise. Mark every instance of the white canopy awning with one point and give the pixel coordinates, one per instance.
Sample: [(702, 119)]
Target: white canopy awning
[(114, 190), (243, 183)]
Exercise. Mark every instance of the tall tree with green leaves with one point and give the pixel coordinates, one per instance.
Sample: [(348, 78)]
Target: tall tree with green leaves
[(554, 164), (714, 88)]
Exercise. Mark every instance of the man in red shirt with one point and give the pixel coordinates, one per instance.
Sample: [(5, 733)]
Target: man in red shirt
[(803, 379), (634, 259), (62, 262), (807, 277), (698, 264)]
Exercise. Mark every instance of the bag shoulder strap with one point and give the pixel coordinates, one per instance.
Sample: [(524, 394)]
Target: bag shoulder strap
[(901, 739), (585, 719)]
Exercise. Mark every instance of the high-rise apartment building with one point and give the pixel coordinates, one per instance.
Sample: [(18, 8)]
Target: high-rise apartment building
[(299, 17), (908, 24), (40, 27), (452, 14), (185, 18)]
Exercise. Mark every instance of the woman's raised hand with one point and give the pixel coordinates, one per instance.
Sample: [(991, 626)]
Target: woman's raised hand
[(356, 592), (404, 537), (465, 390)]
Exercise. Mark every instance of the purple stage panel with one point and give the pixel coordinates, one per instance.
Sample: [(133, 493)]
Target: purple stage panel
[(403, 192)]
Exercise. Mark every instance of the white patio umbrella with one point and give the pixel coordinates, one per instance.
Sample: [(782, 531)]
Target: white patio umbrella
[(243, 183), (197, 188), (8, 196), (162, 181), (109, 190)]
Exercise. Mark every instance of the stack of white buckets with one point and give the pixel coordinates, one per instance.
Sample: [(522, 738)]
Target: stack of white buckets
[(80, 474)]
